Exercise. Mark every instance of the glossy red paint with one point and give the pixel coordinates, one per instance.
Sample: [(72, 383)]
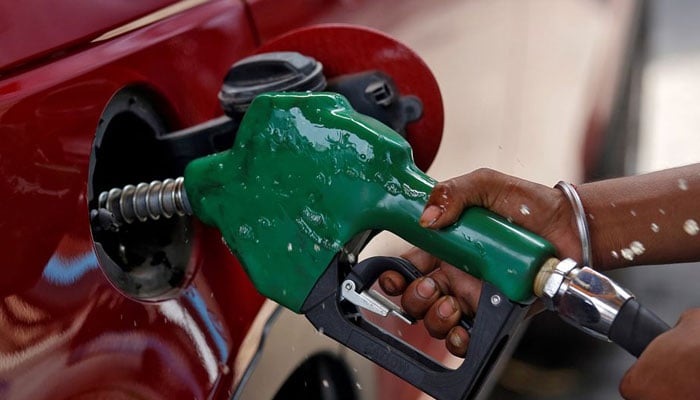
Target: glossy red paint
[(61, 322), (273, 18), (47, 29), (373, 50)]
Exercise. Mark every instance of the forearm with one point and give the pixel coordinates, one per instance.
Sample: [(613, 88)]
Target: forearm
[(644, 219)]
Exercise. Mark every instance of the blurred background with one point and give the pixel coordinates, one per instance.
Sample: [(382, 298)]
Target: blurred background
[(526, 86)]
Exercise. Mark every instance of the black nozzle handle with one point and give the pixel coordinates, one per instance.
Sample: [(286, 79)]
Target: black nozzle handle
[(368, 271), (635, 327), (494, 325)]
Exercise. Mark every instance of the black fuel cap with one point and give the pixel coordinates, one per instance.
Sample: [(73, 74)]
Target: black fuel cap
[(282, 71)]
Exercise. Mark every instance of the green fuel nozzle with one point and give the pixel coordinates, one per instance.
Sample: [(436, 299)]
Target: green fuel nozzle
[(305, 175), (307, 178)]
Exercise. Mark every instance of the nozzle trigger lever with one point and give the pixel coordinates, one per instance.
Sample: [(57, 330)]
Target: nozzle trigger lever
[(372, 301)]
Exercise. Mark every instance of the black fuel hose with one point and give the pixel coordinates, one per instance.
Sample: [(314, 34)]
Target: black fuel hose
[(635, 327)]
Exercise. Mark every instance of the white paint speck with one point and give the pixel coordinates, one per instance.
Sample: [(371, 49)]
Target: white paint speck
[(634, 213), (614, 254), (627, 254), (358, 386), (524, 209), (682, 184), (591, 216), (662, 211), (612, 205), (224, 369), (655, 228), (691, 227), (289, 247), (637, 248), (326, 384)]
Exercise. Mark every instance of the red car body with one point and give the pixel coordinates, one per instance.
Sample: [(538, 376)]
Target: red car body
[(65, 331)]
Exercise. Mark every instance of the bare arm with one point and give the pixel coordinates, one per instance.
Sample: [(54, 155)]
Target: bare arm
[(644, 219)]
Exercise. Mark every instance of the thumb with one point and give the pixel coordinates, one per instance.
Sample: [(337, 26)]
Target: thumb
[(628, 383), (449, 198)]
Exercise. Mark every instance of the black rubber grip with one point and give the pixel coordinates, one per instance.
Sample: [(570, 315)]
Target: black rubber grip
[(635, 327)]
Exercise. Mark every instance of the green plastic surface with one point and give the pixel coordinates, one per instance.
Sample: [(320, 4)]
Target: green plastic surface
[(307, 173)]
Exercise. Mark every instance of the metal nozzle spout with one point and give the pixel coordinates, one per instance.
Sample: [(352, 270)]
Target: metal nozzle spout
[(146, 201)]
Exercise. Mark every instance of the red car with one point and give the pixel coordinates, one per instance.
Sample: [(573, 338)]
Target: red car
[(89, 92)]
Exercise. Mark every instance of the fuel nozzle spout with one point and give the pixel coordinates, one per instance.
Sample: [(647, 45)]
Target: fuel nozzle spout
[(594, 303), (142, 202)]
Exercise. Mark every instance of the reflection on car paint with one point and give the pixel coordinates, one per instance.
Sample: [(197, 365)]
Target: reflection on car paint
[(65, 272), (176, 313), (209, 320)]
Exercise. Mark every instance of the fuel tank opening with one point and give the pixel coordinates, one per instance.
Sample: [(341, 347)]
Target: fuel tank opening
[(148, 261)]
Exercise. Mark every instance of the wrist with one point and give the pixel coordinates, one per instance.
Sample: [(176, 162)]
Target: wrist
[(580, 221)]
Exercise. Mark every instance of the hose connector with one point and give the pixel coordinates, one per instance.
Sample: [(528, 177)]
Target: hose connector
[(581, 296), (146, 201)]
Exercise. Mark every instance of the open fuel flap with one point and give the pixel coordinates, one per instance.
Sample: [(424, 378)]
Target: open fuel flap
[(146, 261)]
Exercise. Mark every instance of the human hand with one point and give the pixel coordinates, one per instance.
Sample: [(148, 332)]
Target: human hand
[(540, 209), (447, 293), (670, 365), (441, 297)]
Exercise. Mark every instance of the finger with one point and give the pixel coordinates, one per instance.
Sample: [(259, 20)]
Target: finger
[(442, 316), (392, 283), (444, 205), (424, 261), (457, 341), (419, 296), (465, 288), (449, 198), (628, 384)]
